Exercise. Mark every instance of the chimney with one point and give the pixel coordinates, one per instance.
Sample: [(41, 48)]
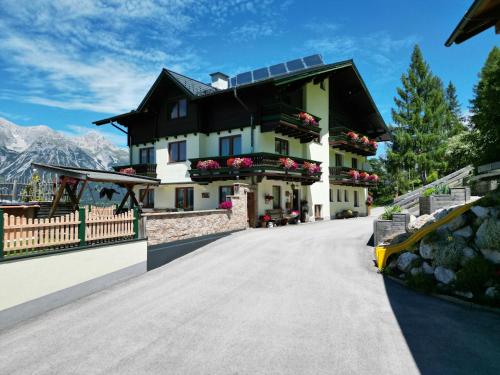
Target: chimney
[(220, 80)]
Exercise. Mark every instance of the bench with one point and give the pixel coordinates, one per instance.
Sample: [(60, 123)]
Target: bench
[(277, 217)]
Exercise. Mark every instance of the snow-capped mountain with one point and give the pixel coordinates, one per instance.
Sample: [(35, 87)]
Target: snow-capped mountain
[(22, 145)]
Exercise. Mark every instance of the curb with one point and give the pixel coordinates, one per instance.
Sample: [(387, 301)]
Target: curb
[(447, 298)]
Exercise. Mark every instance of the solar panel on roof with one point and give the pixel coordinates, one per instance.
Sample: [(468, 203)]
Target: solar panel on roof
[(313, 60), (261, 73), (295, 65), (277, 69), (243, 78)]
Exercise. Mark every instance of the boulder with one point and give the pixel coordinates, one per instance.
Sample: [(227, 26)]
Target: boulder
[(491, 292), (465, 232), (399, 238), (487, 236), (426, 250), (412, 218), (491, 255), (442, 212), (427, 268), (444, 275), (419, 223), (405, 261), (416, 270), (456, 223), (467, 253), (480, 212)]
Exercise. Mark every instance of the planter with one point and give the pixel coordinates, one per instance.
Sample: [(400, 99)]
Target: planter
[(428, 205), (387, 229)]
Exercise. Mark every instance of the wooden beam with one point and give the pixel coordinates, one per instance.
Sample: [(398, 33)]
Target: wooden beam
[(120, 207), (81, 191), (57, 197)]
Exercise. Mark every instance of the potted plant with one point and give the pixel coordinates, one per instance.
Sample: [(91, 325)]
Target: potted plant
[(268, 198), (264, 220), (226, 205)]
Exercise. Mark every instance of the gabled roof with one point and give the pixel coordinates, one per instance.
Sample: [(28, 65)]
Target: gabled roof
[(482, 15)]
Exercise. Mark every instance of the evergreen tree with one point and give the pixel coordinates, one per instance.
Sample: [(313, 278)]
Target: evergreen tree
[(485, 117), (420, 132), (455, 121)]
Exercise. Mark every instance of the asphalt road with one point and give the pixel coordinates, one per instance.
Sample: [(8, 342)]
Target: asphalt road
[(300, 299)]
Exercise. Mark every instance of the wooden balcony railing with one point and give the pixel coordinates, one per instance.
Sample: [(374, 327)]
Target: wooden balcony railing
[(339, 138), (284, 119), (344, 176), (148, 170), (263, 165)]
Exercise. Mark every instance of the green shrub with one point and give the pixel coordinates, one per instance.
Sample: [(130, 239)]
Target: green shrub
[(421, 282), (491, 199), (488, 235), (474, 274), (448, 253), (390, 211), (436, 190)]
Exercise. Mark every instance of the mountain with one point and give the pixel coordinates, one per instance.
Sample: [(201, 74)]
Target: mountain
[(22, 145)]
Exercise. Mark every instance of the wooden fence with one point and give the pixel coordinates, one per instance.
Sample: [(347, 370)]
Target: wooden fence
[(89, 225)]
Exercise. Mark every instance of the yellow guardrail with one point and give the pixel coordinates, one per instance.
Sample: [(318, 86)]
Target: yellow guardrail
[(382, 253)]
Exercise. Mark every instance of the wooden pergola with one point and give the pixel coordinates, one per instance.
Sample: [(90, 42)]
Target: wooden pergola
[(74, 180)]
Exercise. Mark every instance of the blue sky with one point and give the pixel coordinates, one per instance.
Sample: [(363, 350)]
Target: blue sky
[(67, 63)]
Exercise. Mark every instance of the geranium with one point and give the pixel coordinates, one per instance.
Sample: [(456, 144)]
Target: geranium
[(354, 174), (295, 213), (128, 170), (307, 119), (288, 163), (311, 168), (369, 200), (364, 140), (226, 205), (239, 162), (352, 135), (207, 164), (266, 218), (364, 176), (373, 178), (373, 143)]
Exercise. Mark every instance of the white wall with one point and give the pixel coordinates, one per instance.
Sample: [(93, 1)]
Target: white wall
[(336, 206), (347, 158), (31, 278), (264, 142)]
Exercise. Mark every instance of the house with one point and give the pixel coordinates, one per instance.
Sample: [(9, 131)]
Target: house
[(298, 133), (481, 15)]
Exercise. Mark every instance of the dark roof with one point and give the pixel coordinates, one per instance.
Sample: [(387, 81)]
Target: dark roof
[(97, 175), (482, 15), (195, 87)]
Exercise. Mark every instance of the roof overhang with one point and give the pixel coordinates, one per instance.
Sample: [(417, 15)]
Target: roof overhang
[(94, 175), (482, 15), (123, 118)]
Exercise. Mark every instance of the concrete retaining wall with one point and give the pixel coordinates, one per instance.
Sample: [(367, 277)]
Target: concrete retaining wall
[(162, 227), (34, 285), (387, 229), (435, 202)]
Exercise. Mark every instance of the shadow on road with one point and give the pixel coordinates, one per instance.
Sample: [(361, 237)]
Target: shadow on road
[(445, 338), (159, 255)]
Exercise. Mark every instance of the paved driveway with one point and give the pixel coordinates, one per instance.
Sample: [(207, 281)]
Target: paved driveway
[(294, 300)]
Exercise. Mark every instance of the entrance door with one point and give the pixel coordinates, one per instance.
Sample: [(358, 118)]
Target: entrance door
[(251, 209), (295, 200)]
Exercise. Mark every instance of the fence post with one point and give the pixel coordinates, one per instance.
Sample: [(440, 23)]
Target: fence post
[(81, 226), (1, 233), (136, 222)]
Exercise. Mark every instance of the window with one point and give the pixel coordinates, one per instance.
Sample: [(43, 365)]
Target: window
[(224, 191), (184, 198), (149, 198), (177, 151), (276, 196), (281, 146), (346, 196), (356, 199), (355, 163), (331, 195), (147, 155), (178, 109), (338, 160), (317, 211), (230, 145), (339, 196)]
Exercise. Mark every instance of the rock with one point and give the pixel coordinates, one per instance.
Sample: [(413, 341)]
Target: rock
[(405, 261), (399, 238), (491, 255), (468, 295), (495, 213), (393, 264), (491, 292), (456, 223), (416, 270), (487, 236), (419, 223), (442, 212), (467, 253), (412, 218), (465, 232), (426, 251), (481, 212), (444, 275), (427, 268)]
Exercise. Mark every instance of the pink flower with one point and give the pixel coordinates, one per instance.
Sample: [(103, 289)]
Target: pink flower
[(352, 135), (364, 176), (128, 170), (311, 168), (354, 174), (373, 178), (288, 164), (364, 140), (207, 164), (374, 144), (226, 205), (241, 163)]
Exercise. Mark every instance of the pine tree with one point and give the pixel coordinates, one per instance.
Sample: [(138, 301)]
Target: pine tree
[(455, 121), (420, 118), (485, 117)]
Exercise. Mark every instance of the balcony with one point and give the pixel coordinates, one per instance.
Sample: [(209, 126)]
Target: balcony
[(348, 140), (284, 119), (262, 165), (147, 170), (352, 177)]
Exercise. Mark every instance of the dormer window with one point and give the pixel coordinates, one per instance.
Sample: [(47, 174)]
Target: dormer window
[(178, 109)]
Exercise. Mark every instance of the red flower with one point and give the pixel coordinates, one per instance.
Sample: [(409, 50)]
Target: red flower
[(128, 170), (364, 176), (226, 205), (352, 135), (354, 174), (373, 178), (266, 218), (374, 144), (230, 162), (364, 139)]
